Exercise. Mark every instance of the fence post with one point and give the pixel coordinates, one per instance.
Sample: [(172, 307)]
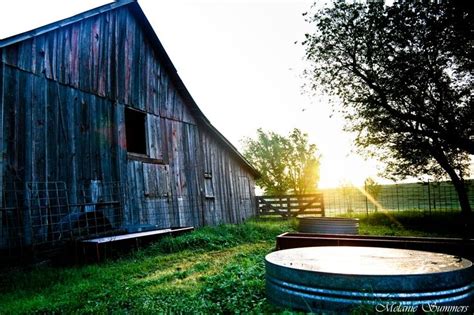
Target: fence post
[(257, 205), (398, 201), (288, 203), (366, 199), (429, 198)]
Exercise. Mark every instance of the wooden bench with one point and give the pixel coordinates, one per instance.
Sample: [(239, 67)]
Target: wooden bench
[(136, 238)]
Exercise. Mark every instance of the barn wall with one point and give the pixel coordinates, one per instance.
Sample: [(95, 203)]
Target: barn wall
[(2, 163), (229, 188), (106, 55), (3, 229), (172, 190), (63, 108), (54, 132)]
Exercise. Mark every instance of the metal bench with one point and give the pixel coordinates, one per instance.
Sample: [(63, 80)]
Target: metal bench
[(136, 238)]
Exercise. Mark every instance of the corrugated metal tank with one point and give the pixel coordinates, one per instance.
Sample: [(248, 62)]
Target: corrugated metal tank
[(344, 279), (324, 225)]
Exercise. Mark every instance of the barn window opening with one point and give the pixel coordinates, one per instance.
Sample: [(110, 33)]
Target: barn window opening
[(135, 123), (208, 186)]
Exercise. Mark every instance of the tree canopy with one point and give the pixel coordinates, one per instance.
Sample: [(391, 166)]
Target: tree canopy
[(404, 76), (286, 164)]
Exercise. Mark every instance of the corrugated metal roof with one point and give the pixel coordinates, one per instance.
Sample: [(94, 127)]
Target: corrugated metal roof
[(138, 13)]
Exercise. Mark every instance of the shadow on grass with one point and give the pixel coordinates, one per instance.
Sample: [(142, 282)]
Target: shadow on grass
[(211, 270), (414, 223)]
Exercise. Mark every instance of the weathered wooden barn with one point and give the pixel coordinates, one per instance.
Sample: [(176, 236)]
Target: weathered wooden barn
[(98, 133)]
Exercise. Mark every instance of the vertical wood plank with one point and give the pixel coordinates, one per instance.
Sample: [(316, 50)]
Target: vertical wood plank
[(95, 61), (38, 129), (108, 55), (27, 99), (120, 141), (2, 140), (112, 73), (52, 139), (59, 51), (138, 170), (103, 58), (72, 103), (155, 137), (132, 194), (107, 157)]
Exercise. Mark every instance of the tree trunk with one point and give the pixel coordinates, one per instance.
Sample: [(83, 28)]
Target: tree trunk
[(466, 211), (461, 190), (462, 195)]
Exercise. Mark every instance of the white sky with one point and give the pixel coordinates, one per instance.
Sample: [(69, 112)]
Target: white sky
[(239, 60)]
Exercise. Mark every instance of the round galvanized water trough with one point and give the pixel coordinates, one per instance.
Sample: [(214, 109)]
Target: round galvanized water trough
[(345, 278), (323, 225)]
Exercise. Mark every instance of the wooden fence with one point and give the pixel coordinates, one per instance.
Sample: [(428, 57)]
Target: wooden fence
[(291, 205)]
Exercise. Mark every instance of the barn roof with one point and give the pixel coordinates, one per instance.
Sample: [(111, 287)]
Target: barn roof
[(138, 13)]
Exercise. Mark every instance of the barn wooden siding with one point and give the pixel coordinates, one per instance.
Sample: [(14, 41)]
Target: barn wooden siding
[(63, 98)]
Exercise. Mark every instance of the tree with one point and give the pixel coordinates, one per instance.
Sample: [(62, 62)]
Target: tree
[(404, 75), (372, 189), (286, 164)]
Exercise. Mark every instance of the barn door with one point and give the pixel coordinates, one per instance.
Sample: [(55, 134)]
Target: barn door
[(157, 194), (245, 198)]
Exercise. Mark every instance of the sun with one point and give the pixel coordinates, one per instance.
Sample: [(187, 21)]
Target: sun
[(346, 170)]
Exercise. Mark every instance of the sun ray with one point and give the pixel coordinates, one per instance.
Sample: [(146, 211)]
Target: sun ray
[(378, 205)]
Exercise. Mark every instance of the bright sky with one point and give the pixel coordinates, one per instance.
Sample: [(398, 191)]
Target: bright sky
[(239, 60)]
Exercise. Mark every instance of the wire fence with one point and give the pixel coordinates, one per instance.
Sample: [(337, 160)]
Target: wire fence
[(38, 219), (428, 197), (45, 214)]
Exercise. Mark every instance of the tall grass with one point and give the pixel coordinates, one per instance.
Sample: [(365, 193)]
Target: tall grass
[(212, 270)]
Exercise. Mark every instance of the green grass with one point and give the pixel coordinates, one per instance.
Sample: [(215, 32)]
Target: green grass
[(412, 223), (437, 197), (212, 270)]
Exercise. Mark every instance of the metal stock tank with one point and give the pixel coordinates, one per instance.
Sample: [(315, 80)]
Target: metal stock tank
[(344, 278), (325, 225)]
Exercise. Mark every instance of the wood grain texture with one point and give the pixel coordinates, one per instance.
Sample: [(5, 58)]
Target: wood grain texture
[(63, 96)]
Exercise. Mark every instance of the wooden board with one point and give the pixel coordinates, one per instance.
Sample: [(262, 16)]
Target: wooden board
[(63, 95)]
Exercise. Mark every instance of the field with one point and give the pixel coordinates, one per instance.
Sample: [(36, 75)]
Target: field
[(212, 270), (432, 197)]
